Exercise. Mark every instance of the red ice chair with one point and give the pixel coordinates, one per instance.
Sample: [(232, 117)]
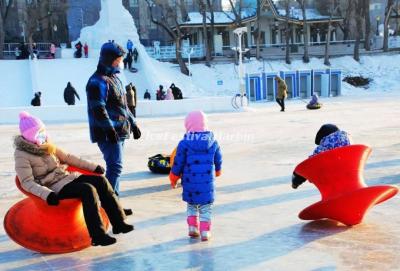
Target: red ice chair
[(37, 226), (338, 175)]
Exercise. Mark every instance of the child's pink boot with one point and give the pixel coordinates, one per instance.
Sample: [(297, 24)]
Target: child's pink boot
[(193, 226), (205, 230)]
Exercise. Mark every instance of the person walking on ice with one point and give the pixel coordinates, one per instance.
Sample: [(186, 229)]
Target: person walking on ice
[(198, 160), (282, 93), (41, 168)]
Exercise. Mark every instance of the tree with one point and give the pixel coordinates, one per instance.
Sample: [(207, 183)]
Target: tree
[(358, 9), (388, 12), (346, 11), (287, 31), (367, 19), (332, 11), (258, 31), (236, 11), (211, 8), (165, 16), (5, 7), (203, 12), (306, 57)]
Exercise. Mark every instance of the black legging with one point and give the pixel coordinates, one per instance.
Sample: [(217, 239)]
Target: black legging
[(281, 102), (90, 189)]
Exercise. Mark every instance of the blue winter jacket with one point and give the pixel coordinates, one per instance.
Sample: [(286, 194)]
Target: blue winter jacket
[(197, 158), (107, 105), (333, 141), (129, 45)]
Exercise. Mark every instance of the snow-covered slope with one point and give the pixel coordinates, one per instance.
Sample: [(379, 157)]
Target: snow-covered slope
[(117, 24)]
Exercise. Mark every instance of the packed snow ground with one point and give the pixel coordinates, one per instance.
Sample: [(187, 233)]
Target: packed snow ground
[(255, 225)]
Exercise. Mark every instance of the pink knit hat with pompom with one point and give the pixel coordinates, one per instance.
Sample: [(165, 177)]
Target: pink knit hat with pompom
[(29, 126), (196, 121)]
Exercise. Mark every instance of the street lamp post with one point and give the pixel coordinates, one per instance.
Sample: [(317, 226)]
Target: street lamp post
[(377, 25), (239, 32), (189, 53)]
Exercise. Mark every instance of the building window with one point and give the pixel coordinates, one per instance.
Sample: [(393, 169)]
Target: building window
[(133, 3), (225, 39)]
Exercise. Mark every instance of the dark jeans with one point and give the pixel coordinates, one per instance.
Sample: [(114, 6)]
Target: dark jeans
[(90, 189), (132, 109), (281, 102), (113, 154)]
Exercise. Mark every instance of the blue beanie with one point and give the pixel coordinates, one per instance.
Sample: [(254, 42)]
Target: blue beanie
[(109, 52)]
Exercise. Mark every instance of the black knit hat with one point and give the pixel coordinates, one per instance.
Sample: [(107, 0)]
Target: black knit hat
[(324, 131)]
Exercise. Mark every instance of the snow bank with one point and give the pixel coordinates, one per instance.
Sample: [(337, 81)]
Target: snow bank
[(78, 113)]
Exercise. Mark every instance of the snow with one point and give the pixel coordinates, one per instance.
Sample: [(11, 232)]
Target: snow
[(255, 224), (145, 108), (219, 80), (117, 24)]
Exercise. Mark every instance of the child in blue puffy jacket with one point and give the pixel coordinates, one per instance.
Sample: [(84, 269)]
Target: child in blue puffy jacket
[(198, 160), (328, 137)]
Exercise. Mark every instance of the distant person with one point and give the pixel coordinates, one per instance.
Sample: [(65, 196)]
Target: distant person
[(36, 101), (131, 98), (314, 103), (135, 54), (169, 95), (128, 61), (17, 53), (176, 92), (53, 50), (78, 52), (147, 95), (86, 50), (35, 51), (160, 94), (69, 94), (129, 46), (282, 93), (24, 51)]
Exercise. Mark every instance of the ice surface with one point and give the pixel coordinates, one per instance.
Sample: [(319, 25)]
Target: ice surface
[(255, 224)]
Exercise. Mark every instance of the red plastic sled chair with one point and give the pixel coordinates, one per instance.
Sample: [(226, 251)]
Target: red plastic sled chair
[(338, 175), (37, 226)]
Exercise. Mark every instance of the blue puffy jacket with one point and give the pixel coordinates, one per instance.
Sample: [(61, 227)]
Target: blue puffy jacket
[(333, 141), (197, 158), (107, 105)]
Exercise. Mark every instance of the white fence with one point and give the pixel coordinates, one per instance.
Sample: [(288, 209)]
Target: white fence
[(42, 47), (168, 52)]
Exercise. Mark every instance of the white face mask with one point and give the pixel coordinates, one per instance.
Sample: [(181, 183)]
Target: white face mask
[(121, 65), (41, 138)]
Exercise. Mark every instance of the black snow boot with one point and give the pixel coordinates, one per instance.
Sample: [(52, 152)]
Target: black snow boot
[(122, 228), (103, 240)]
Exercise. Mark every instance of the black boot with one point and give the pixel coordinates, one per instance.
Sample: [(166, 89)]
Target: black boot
[(128, 212), (103, 240), (122, 228)]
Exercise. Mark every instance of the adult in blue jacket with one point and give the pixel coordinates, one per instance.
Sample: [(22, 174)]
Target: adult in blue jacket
[(110, 120), (129, 46)]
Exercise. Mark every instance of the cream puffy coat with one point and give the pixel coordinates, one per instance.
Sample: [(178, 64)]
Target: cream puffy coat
[(41, 173)]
